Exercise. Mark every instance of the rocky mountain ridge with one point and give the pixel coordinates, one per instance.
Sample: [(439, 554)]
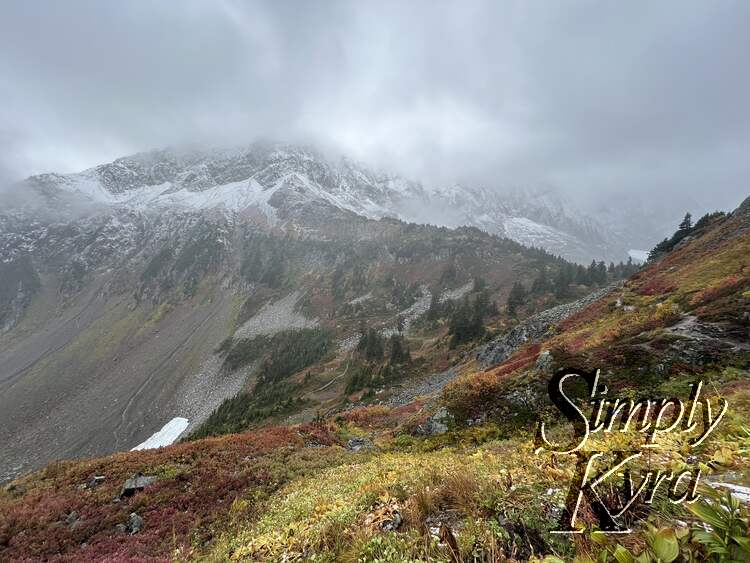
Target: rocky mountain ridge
[(271, 181)]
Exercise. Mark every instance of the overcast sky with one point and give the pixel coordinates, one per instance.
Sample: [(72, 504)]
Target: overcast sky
[(590, 97)]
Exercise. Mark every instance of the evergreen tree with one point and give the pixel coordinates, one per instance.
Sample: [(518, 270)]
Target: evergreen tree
[(482, 305), (434, 311), (601, 273), (516, 298), (582, 275), (399, 351), (561, 283), (465, 324), (449, 276), (687, 223), (371, 346), (479, 284), (541, 283), (338, 288)]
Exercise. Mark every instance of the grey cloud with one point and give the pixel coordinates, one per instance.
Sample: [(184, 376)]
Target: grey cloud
[(594, 98)]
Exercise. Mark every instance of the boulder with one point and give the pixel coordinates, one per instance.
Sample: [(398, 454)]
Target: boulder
[(135, 523), (95, 481), (359, 444), (135, 484), (392, 524), (436, 424), (15, 490), (545, 362)]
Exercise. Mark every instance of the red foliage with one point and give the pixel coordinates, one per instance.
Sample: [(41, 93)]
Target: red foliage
[(657, 285), (202, 480), (520, 360), (728, 286), (380, 417), (585, 315)]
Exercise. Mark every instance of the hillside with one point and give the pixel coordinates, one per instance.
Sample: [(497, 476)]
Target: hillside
[(128, 305), (115, 323), (446, 476)]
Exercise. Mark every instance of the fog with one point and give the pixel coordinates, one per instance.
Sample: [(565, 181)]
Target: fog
[(593, 99)]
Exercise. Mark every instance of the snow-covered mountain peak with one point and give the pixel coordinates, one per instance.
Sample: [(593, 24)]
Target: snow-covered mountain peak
[(274, 178)]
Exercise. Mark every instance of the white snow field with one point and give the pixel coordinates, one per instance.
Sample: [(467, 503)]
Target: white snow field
[(166, 436)]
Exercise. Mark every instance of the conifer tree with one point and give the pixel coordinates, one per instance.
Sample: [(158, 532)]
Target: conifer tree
[(516, 298)]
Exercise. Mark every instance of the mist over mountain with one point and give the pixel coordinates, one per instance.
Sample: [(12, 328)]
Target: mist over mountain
[(273, 179), (296, 281)]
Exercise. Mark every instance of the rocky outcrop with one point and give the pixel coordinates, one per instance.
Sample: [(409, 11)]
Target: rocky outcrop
[(136, 484), (701, 343), (424, 388), (534, 328)]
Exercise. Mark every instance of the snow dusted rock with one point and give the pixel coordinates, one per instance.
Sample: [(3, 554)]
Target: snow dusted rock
[(275, 180)]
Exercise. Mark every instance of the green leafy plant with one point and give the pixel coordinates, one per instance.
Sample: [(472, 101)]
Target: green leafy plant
[(725, 538)]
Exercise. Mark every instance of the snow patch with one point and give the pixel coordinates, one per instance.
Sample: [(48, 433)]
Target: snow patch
[(166, 436)]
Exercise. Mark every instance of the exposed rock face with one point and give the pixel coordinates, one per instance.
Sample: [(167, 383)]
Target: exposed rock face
[(19, 282), (701, 343), (534, 328), (282, 181)]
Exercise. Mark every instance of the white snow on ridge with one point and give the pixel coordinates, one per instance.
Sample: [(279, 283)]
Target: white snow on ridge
[(527, 231), (166, 436)]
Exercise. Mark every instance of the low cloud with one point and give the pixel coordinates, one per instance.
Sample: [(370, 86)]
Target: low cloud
[(593, 98)]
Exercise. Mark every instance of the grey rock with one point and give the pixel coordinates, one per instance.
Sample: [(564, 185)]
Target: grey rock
[(136, 484), (436, 424), (72, 518), (426, 387), (95, 481), (359, 444), (545, 362), (393, 524), (135, 523), (122, 528)]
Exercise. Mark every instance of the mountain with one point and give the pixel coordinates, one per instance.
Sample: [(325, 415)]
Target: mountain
[(142, 291), (441, 462), (272, 180)]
